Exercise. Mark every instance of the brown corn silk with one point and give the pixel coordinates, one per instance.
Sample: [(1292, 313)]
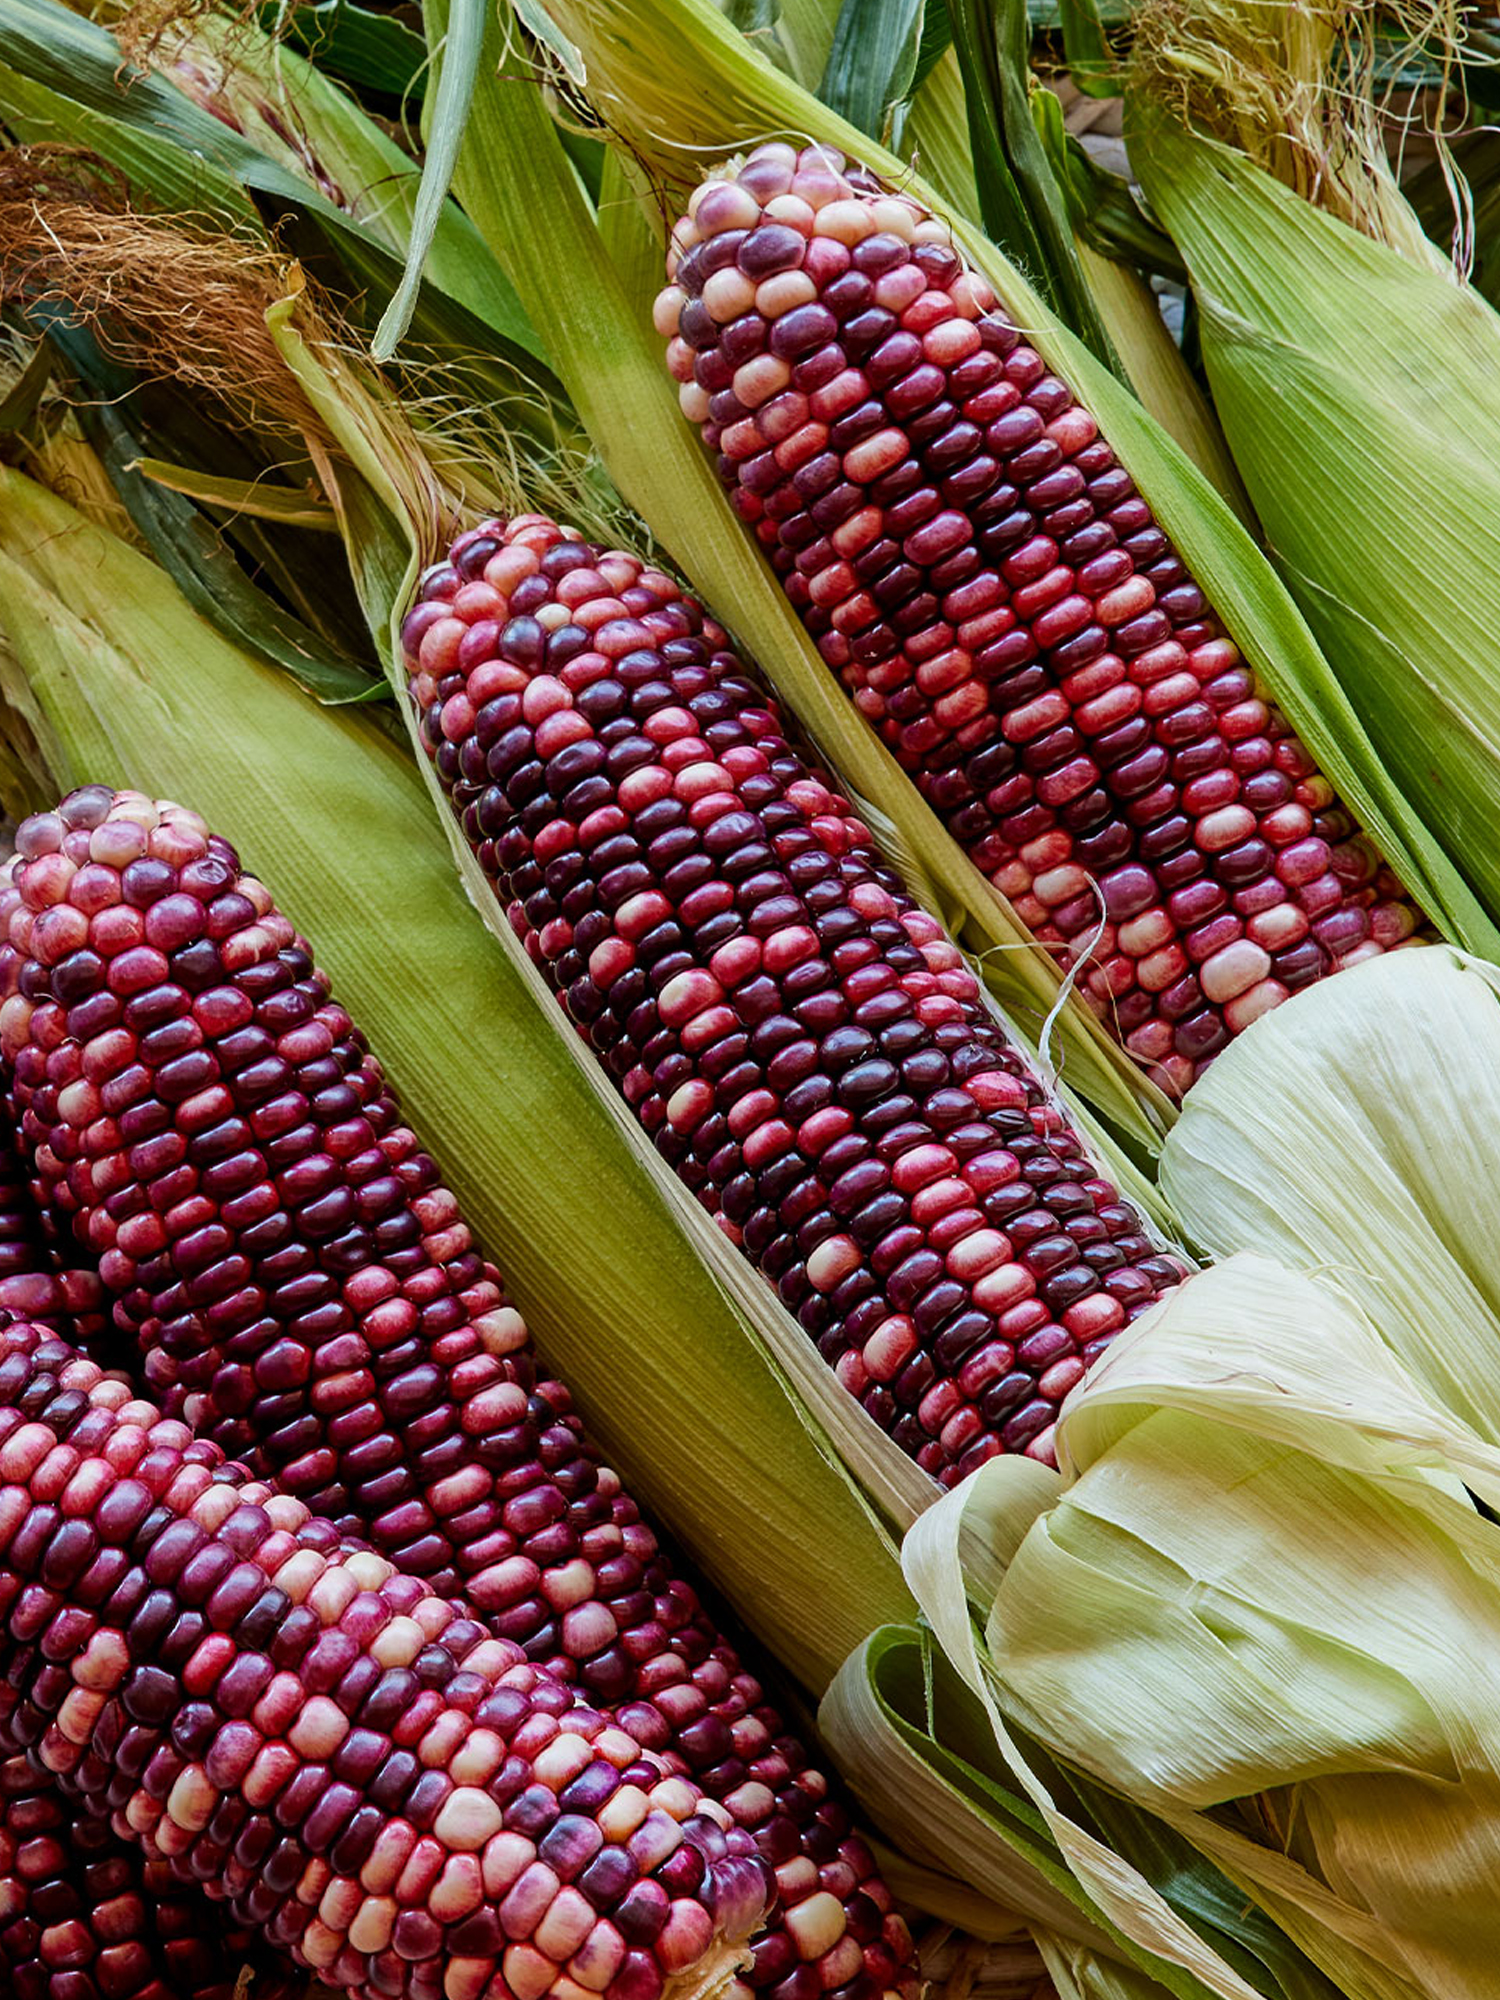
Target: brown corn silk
[(804, 1045), (983, 575), (359, 1769), (304, 1291)]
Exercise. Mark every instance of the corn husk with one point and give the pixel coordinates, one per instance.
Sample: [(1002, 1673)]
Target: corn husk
[(381, 493), (938, 138), (512, 168), (1265, 1607), (1354, 1138), (125, 685), (1358, 385)]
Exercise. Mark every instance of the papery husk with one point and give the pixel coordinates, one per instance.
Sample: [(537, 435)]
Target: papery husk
[(1352, 1133), (1266, 1587)]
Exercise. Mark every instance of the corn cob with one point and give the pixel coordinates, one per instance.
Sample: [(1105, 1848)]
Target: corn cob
[(305, 1292), (356, 1767), (981, 571), (83, 1915), (805, 1047), (35, 1283)]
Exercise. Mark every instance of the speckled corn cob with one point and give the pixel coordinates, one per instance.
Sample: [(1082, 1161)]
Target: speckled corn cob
[(359, 1769), (35, 1282), (85, 1916), (806, 1048), (306, 1292), (982, 573)]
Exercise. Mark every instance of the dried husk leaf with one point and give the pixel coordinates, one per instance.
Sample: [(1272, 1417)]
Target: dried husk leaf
[(1267, 1579)]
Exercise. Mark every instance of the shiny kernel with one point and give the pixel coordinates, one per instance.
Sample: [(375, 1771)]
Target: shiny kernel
[(467, 1819)]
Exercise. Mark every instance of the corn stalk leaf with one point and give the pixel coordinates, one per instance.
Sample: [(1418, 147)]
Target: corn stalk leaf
[(1361, 396), (130, 686), (679, 86), (374, 51), (510, 170), (1020, 203), (262, 498), (873, 61)]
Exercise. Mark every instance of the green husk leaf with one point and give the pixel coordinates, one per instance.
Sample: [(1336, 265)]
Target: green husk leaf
[(192, 550), (448, 113), (374, 51), (188, 159), (937, 132), (1355, 386), (290, 111), (382, 517), (262, 498), (1021, 204), (1260, 1603), (877, 1718), (510, 170), (1091, 62), (180, 180), (998, 1506), (336, 818), (873, 61)]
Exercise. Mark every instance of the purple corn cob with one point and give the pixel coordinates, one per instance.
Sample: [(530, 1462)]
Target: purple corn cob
[(355, 1767), (35, 1281), (305, 1292), (806, 1048), (83, 1914), (981, 572)]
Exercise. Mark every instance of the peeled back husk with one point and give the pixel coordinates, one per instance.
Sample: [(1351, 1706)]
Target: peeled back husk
[(1266, 1608)]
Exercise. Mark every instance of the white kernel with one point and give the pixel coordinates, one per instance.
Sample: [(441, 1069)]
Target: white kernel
[(848, 222), (467, 1820)]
